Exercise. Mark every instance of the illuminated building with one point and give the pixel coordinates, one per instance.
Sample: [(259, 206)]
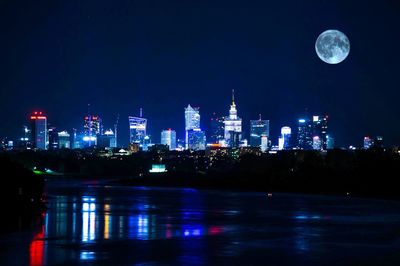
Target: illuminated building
[(146, 143), (196, 139), (304, 134), (317, 143), (137, 129), (192, 122), (76, 140), (284, 140), (232, 126), (320, 128), (217, 129), (168, 137), (264, 143), (106, 140), (64, 141), (158, 168), (133, 147), (330, 142), (39, 131), (258, 128), (53, 138), (92, 127), (368, 142)]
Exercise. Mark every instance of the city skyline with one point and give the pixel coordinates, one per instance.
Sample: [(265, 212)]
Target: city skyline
[(312, 133)]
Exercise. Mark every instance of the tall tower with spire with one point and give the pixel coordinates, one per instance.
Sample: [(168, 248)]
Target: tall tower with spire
[(233, 125)]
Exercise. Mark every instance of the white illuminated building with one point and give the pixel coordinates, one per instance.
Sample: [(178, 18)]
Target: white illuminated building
[(283, 142), (232, 123), (192, 122)]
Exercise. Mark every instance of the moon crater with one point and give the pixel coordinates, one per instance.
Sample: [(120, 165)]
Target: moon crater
[(332, 46)]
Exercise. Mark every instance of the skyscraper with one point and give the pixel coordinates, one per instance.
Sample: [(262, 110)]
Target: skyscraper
[(196, 140), (284, 140), (106, 140), (217, 129), (137, 129), (258, 128), (320, 128), (368, 143), (53, 138), (168, 137), (64, 140), (39, 131), (91, 128), (330, 142), (304, 134), (233, 126), (192, 122)]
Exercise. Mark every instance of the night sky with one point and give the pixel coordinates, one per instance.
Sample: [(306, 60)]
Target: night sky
[(58, 56)]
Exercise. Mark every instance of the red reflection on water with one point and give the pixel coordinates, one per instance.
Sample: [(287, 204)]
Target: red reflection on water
[(215, 230), (36, 249)]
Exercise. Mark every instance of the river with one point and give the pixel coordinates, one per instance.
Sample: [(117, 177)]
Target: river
[(91, 223)]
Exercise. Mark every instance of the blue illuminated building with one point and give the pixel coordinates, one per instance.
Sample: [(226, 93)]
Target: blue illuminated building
[(39, 131), (192, 122), (258, 128), (304, 134), (196, 139)]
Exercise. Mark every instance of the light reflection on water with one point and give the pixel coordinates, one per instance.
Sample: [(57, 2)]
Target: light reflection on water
[(133, 226)]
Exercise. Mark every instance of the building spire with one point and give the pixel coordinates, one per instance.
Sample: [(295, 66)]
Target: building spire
[(233, 96)]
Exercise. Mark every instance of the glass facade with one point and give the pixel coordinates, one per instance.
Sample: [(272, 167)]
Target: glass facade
[(137, 129), (304, 134), (168, 137), (192, 122), (258, 128), (91, 128), (39, 131), (320, 128), (217, 129), (196, 139)]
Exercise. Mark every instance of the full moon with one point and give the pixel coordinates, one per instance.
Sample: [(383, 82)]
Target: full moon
[(332, 46)]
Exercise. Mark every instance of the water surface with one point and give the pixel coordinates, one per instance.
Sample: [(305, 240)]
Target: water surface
[(95, 224)]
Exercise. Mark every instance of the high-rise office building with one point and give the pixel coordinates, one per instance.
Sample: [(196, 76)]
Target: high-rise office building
[(217, 129), (192, 122), (91, 128), (168, 137), (196, 139), (320, 130), (330, 142), (317, 143), (258, 128), (53, 138), (368, 142), (264, 143), (39, 137), (232, 126), (304, 134), (64, 140), (137, 130), (107, 140), (284, 140)]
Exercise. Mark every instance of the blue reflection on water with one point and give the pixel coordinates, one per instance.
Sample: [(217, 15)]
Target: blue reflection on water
[(87, 255), (88, 219)]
